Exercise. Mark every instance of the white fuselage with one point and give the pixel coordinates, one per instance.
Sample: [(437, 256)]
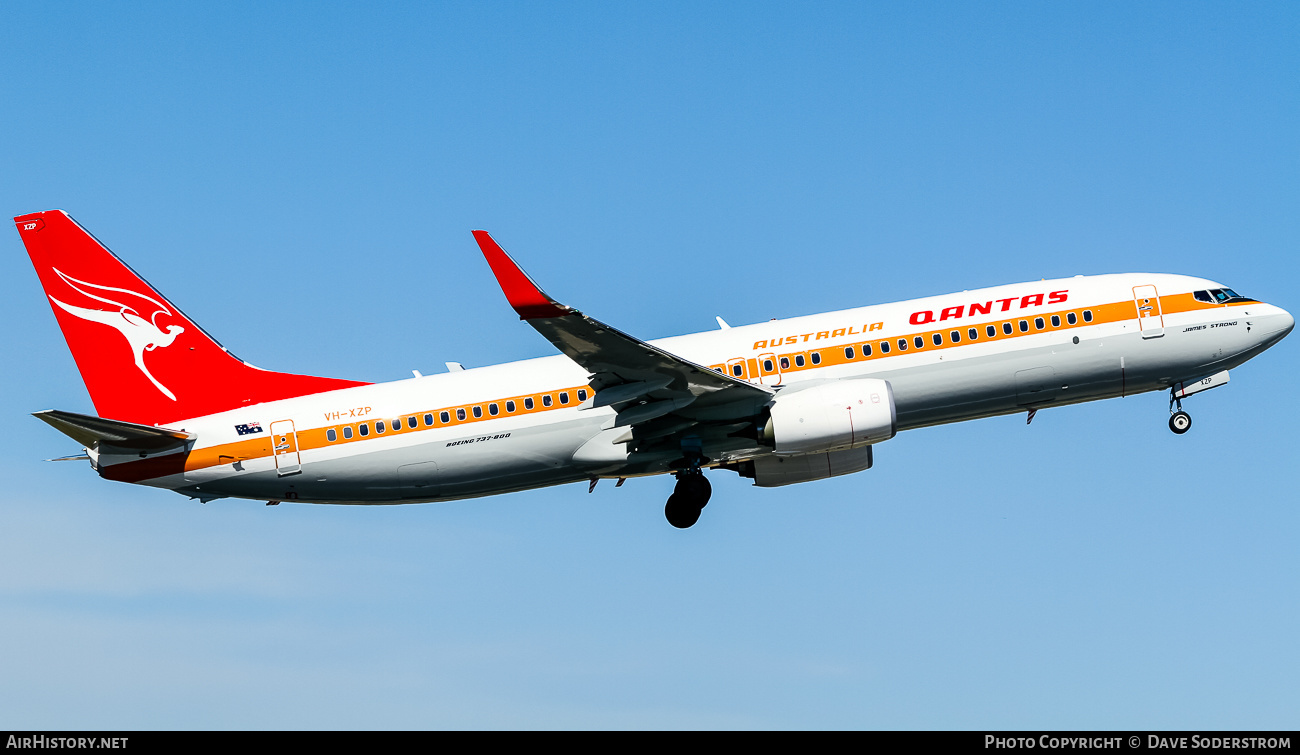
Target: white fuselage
[(311, 448)]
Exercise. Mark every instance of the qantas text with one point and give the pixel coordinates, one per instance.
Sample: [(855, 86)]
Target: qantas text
[(927, 316), (983, 308)]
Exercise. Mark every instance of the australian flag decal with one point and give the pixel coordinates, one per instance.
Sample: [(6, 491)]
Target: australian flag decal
[(249, 429)]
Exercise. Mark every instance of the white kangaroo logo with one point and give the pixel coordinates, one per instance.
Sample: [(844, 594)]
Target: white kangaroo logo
[(141, 333)]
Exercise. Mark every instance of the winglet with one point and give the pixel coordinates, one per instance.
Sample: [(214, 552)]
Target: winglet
[(524, 295)]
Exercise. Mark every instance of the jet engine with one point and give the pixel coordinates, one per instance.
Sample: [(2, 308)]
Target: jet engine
[(831, 417)]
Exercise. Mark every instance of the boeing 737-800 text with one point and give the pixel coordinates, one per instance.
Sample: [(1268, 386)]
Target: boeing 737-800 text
[(779, 402)]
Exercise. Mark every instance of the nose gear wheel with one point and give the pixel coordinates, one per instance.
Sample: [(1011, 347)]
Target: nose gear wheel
[(1179, 421)]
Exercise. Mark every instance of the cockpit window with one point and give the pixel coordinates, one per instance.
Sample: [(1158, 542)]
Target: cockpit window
[(1220, 296)]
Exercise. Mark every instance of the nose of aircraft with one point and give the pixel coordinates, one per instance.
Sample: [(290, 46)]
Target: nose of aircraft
[(1279, 323)]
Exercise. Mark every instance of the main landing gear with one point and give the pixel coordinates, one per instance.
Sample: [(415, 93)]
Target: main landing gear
[(1179, 421), (688, 499), (693, 490)]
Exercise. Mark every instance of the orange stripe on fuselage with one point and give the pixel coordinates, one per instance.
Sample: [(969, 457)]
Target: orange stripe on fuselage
[(831, 355)]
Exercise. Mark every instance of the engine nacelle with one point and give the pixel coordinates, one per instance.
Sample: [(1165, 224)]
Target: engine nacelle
[(832, 416), (774, 471)]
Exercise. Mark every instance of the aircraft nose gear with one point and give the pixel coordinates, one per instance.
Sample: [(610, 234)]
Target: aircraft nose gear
[(1179, 421), (688, 499)]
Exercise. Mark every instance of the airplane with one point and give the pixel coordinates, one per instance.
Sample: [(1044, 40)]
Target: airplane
[(779, 402)]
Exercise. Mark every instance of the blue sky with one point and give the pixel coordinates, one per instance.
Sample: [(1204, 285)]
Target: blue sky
[(301, 179)]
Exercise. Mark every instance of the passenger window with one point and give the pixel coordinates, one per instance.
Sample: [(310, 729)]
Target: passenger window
[(397, 423), (990, 331), (816, 357), (363, 430), (1070, 318), (1056, 321), (736, 369), (528, 403), (564, 397), (380, 428), (1024, 326), (428, 420), (848, 354), (866, 349), (1006, 328), (413, 421), (331, 435), (460, 414), (546, 400), (478, 412), (510, 407), (972, 334), (1087, 315), (347, 433), (884, 347), (937, 338), (798, 360), (1039, 323), (582, 395), (919, 341), (902, 344), (785, 363), (444, 417), (492, 409), (955, 336), (719, 369)]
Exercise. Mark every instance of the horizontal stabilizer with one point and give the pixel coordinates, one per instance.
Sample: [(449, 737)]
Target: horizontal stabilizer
[(89, 431)]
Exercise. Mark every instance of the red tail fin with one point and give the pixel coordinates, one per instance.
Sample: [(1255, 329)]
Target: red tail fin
[(142, 359)]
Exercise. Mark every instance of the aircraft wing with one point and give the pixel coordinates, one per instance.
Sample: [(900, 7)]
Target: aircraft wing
[(640, 380)]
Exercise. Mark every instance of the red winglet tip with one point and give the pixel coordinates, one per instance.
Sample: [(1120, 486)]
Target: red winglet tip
[(524, 295)]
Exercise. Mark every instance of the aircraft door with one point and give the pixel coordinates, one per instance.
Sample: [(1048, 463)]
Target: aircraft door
[(1150, 319), (769, 369), (285, 442)]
